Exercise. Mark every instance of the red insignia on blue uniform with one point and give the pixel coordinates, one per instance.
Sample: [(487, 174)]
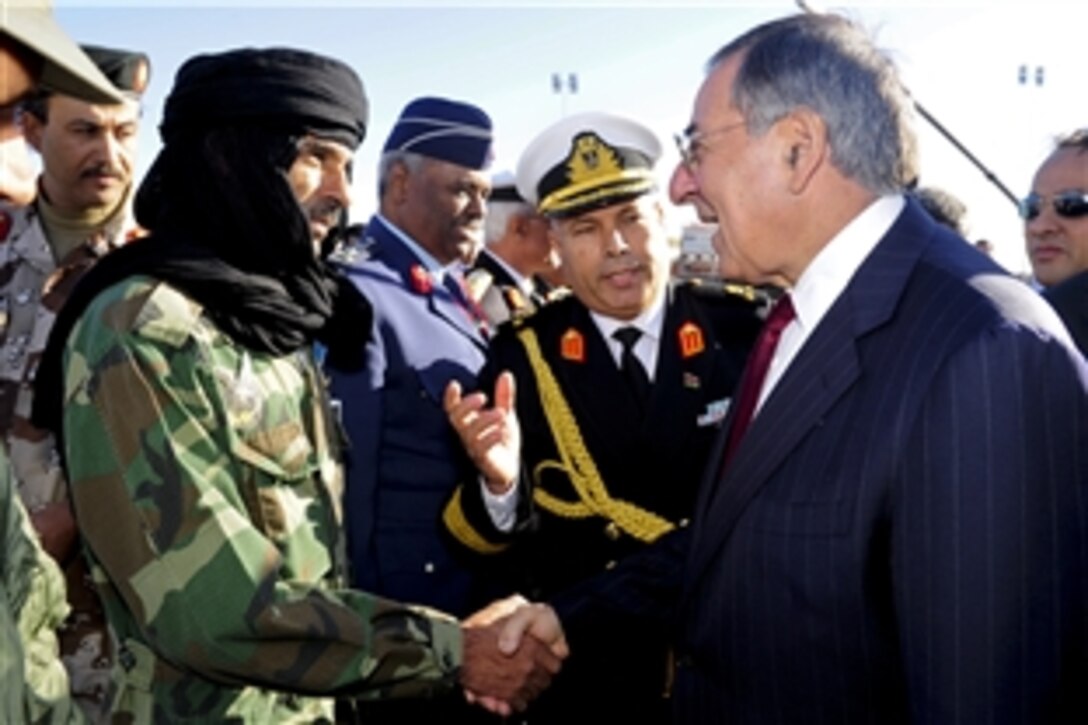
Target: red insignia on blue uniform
[(421, 280), (5, 225), (572, 346), (691, 340)]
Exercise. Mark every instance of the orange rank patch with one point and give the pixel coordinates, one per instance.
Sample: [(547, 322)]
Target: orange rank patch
[(5, 225), (692, 341), (572, 346)]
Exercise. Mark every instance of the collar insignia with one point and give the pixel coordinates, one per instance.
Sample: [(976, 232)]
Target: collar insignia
[(421, 280), (691, 340), (572, 346)]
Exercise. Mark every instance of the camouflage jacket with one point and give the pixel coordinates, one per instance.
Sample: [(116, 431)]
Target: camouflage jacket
[(33, 286), (207, 490), (33, 684)]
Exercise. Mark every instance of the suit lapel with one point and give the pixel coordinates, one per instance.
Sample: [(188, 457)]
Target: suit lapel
[(818, 378)]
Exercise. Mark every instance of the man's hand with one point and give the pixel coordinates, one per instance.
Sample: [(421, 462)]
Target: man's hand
[(56, 527), (503, 670), (491, 436)]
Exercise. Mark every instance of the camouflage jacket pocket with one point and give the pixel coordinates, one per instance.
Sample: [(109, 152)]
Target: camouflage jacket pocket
[(261, 402), (283, 452)]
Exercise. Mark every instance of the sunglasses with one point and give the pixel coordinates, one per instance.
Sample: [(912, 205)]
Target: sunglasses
[(1067, 204)]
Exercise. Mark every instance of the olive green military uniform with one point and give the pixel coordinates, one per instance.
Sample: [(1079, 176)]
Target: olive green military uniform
[(206, 490), (33, 683)]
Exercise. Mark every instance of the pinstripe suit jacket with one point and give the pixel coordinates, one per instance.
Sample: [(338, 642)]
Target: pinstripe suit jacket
[(902, 534)]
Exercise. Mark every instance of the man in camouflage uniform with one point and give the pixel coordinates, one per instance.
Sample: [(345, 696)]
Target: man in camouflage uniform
[(33, 683), (196, 432), (81, 212), (505, 278)]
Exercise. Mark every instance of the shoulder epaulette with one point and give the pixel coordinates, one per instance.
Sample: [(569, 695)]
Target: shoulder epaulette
[(722, 288), (531, 317), (558, 293), (351, 252)]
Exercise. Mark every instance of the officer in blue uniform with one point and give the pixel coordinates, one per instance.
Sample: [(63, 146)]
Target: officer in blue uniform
[(616, 394), (403, 459)]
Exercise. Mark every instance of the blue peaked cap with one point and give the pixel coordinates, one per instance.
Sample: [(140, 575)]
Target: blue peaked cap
[(442, 129)]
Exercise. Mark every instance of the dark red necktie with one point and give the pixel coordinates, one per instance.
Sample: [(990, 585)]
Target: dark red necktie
[(755, 372)]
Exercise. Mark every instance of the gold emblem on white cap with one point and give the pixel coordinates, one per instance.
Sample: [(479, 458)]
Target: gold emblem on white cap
[(592, 159)]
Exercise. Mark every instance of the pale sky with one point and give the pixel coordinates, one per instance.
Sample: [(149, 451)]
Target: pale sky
[(645, 60)]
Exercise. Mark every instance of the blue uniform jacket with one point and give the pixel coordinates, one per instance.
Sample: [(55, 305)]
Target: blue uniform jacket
[(403, 457)]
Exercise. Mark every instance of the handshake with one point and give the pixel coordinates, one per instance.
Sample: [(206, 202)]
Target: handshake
[(511, 651)]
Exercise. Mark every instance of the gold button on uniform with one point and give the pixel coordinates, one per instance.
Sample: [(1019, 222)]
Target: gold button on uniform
[(612, 531)]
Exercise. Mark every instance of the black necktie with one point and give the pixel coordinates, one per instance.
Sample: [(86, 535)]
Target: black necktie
[(637, 379)]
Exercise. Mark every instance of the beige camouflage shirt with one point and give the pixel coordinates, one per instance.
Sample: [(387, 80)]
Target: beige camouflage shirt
[(33, 286)]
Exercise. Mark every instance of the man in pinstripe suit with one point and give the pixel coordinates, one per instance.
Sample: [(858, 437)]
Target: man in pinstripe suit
[(900, 534)]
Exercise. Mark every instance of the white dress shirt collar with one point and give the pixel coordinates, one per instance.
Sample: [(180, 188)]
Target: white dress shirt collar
[(825, 278), (649, 322)]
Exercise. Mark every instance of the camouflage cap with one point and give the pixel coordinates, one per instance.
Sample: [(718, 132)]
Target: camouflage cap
[(66, 69)]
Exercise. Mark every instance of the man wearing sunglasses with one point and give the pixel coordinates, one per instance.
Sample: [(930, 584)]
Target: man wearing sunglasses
[(1055, 216)]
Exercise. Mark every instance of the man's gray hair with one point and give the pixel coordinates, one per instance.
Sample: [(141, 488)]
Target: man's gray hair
[(829, 65), (412, 161), (499, 214)]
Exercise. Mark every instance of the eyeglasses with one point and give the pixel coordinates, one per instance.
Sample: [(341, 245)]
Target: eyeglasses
[(1067, 204), (690, 143)]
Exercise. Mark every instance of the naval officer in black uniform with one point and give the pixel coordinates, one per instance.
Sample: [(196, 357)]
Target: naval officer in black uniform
[(595, 415)]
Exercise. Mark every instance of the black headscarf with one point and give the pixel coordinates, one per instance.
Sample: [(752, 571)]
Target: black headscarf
[(225, 226)]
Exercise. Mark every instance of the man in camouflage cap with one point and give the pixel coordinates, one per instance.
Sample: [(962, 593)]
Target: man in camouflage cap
[(80, 213), (200, 450)]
